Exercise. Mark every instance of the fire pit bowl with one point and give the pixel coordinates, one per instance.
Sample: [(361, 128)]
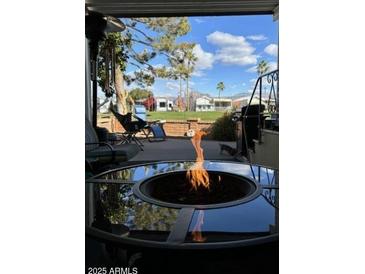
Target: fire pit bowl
[(153, 206), (174, 190)]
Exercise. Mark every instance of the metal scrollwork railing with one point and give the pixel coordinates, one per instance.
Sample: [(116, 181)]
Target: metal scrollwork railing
[(268, 81), (273, 80), (270, 197)]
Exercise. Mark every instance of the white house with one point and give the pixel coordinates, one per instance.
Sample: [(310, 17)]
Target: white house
[(204, 104), (222, 104), (164, 104)]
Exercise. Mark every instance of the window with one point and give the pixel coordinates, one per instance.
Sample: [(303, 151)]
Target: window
[(162, 104)]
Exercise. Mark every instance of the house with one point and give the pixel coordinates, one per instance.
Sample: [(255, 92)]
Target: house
[(164, 104), (204, 103), (222, 104), (243, 101)]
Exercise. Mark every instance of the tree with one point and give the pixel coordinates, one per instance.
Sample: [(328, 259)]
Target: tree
[(121, 47), (182, 61), (220, 88), (262, 67), (190, 60), (140, 93), (176, 71)]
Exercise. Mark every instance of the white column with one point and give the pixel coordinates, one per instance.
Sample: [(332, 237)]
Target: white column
[(88, 113)]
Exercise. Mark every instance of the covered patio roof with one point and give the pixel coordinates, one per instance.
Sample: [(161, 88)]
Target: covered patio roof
[(130, 8)]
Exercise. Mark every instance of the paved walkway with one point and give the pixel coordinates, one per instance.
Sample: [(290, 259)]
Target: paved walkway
[(181, 149)]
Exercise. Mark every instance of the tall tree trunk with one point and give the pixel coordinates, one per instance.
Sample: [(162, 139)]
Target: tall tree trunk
[(180, 96), (187, 95), (121, 93)]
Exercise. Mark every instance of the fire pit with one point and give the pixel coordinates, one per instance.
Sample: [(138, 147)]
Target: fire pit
[(152, 206), (173, 190)]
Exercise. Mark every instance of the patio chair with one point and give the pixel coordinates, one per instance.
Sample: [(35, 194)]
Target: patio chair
[(157, 130), (105, 136), (131, 128), (103, 152), (250, 125)]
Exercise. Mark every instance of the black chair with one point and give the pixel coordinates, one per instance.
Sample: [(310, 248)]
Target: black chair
[(102, 153), (251, 125), (131, 128)]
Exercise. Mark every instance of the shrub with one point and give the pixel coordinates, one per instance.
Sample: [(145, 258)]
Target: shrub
[(223, 129)]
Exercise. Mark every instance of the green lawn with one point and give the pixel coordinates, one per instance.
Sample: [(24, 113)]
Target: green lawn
[(207, 116)]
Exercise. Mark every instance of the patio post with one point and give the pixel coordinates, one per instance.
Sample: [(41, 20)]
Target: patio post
[(88, 107)]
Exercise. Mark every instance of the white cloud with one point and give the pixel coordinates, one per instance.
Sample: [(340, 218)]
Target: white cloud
[(251, 69), (233, 50), (272, 49), (198, 20), (204, 60), (163, 94), (157, 66), (258, 37), (198, 73), (273, 66), (172, 86)]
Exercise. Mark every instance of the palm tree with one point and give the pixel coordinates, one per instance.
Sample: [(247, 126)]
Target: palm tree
[(220, 88), (262, 67)]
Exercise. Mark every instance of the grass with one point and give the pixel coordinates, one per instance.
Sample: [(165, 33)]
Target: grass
[(205, 116)]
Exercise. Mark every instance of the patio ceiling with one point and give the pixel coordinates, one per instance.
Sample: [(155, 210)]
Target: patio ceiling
[(130, 8)]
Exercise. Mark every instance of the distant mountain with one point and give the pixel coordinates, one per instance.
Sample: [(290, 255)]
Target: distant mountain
[(197, 94), (241, 94)]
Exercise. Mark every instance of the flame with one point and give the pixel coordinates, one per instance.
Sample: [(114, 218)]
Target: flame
[(197, 174), (196, 233)]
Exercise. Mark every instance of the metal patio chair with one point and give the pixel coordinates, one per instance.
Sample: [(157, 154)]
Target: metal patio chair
[(104, 153), (131, 128)]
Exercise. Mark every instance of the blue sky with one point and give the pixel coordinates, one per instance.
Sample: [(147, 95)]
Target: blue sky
[(228, 49)]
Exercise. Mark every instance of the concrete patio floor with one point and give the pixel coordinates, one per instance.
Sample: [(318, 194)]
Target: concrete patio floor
[(181, 149)]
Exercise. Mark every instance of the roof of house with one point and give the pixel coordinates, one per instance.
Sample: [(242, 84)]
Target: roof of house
[(222, 99)]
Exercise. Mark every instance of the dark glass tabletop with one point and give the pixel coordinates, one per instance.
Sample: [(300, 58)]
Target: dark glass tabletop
[(112, 208)]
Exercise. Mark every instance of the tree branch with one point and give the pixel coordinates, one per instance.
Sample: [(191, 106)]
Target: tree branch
[(149, 45), (138, 66), (141, 32), (103, 103), (141, 42), (141, 61), (137, 20)]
